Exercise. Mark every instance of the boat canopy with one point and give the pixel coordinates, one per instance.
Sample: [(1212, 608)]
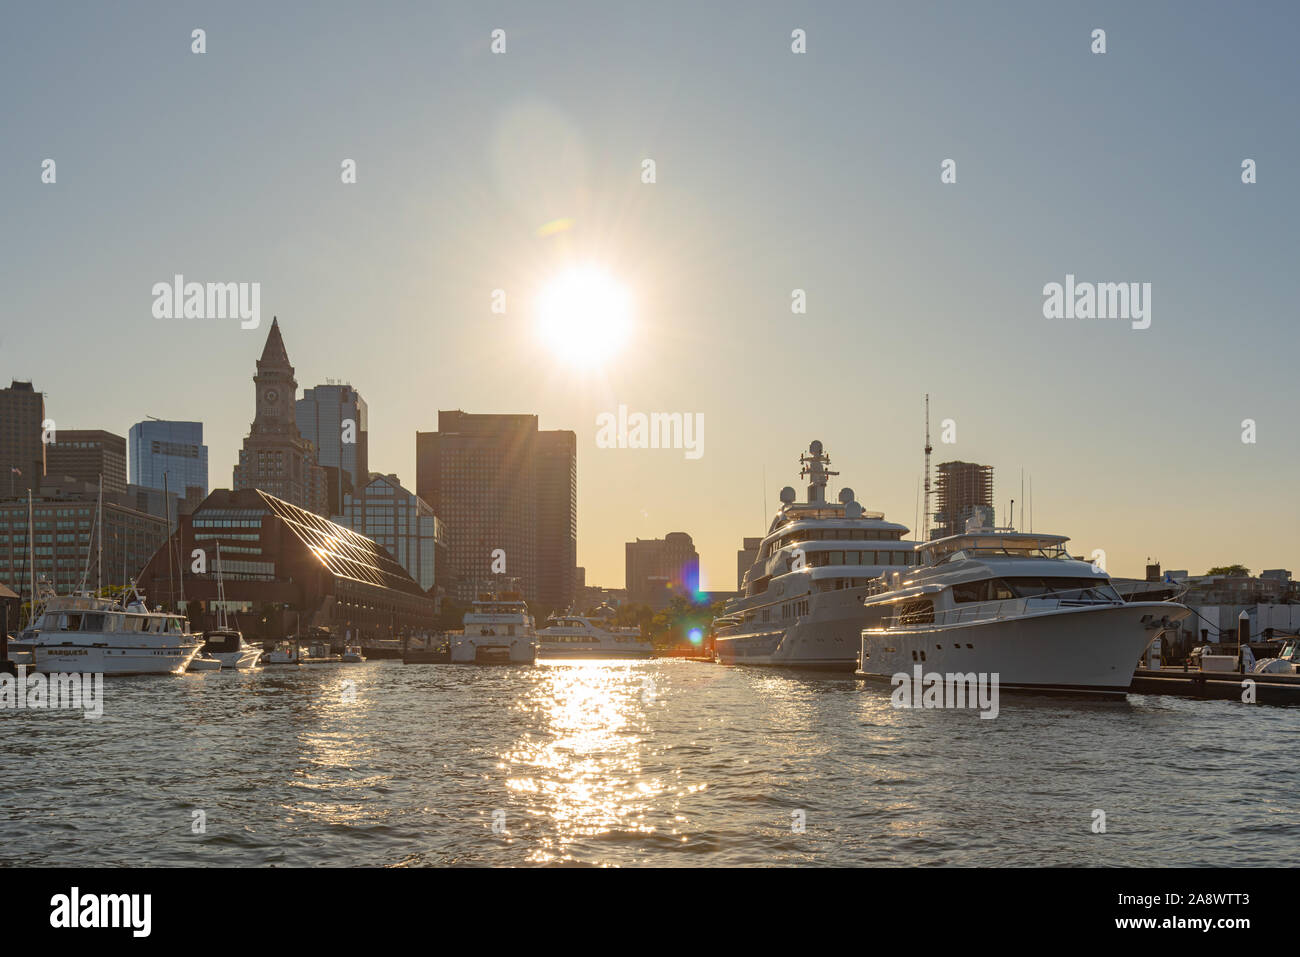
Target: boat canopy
[(993, 542)]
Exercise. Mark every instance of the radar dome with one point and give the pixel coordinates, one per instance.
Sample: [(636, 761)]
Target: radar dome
[(846, 496), (787, 495), (816, 447), (852, 510)]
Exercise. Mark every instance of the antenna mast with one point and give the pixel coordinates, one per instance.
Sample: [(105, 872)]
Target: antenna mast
[(925, 518)]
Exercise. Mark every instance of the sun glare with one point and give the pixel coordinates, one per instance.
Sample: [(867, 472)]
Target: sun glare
[(584, 315)]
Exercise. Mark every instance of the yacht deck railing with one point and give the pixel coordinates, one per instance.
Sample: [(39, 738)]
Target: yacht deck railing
[(964, 613)]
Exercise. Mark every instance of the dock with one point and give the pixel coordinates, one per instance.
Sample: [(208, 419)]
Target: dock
[(1280, 689)]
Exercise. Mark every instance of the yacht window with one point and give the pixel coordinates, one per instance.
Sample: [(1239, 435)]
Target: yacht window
[(968, 591), (92, 623), (918, 611), (836, 558), (71, 623)]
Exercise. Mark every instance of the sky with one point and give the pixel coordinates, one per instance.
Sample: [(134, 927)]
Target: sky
[(774, 171)]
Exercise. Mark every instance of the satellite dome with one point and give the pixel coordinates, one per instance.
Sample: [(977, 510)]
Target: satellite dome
[(846, 495), (787, 495), (852, 510), (816, 447)]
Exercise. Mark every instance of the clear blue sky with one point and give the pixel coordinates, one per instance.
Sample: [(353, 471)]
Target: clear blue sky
[(775, 171)]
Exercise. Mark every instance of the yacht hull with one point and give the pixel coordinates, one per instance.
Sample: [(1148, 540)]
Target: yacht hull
[(115, 659), (241, 660), (827, 640), (467, 651), (1074, 650), (544, 653)]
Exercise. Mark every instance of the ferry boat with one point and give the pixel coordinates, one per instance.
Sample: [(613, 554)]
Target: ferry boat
[(498, 630), (801, 605), (1015, 604), (85, 634), (577, 636)]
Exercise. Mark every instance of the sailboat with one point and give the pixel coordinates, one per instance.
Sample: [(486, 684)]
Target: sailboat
[(224, 643)]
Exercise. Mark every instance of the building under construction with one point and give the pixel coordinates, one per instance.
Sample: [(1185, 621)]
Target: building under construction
[(964, 491)]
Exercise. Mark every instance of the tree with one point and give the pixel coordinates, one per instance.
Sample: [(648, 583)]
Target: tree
[(1232, 571)]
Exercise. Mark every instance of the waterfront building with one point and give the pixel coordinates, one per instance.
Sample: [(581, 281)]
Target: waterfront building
[(508, 493), (656, 568), (87, 454), (170, 455), (963, 491), (275, 457), (22, 453), (287, 570), (63, 527), (395, 517), (335, 419)]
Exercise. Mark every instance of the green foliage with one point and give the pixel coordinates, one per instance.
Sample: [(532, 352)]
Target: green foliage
[(672, 625), (1233, 571)]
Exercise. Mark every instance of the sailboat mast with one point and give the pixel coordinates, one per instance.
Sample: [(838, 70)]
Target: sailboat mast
[(99, 542), (31, 546)]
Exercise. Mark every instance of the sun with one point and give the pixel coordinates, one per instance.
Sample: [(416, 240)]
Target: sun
[(584, 315)]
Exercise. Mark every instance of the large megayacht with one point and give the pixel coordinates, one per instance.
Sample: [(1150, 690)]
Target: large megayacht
[(802, 599)]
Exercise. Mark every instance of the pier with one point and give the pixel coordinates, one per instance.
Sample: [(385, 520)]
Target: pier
[(1225, 686)]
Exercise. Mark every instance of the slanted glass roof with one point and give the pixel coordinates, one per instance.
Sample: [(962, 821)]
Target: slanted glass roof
[(342, 551)]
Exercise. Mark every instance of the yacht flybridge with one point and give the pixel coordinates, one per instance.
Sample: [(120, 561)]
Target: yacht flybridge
[(802, 599), (1010, 603)]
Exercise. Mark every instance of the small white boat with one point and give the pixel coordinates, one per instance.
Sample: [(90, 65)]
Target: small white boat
[(202, 663), (286, 653), (225, 643), (352, 655)]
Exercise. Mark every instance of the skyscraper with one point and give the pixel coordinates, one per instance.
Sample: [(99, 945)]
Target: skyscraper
[(173, 449), (275, 457), (500, 484), (964, 491), (334, 418), (655, 568), (22, 453), (395, 517), (557, 519), (85, 455)]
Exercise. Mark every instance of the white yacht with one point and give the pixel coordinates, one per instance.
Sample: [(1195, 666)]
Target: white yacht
[(225, 643), (498, 630), (84, 634), (1014, 604), (802, 599), (576, 636)]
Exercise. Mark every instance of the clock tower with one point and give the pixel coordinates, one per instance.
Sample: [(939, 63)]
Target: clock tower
[(275, 457)]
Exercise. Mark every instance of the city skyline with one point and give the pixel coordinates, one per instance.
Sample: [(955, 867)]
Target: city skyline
[(465, 185)]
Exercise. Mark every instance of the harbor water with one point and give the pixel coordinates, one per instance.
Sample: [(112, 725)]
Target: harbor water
[(656, 762)]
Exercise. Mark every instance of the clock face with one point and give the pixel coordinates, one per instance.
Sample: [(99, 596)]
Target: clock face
[(270, 395)]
